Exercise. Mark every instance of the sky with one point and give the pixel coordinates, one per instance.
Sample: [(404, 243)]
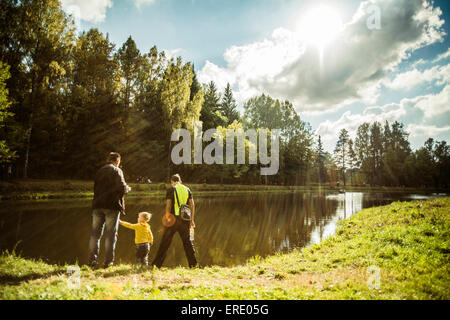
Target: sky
[(340, 62)]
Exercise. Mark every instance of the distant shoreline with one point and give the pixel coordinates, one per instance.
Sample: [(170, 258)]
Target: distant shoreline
[(75, 189)]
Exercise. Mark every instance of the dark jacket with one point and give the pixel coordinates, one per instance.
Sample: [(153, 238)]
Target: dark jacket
[(109, 188)]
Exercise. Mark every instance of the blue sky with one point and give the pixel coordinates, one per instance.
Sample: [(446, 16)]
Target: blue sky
[(400, 71), (203, 29)]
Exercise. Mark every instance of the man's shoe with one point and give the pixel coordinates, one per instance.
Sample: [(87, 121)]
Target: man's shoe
[(106, 266)]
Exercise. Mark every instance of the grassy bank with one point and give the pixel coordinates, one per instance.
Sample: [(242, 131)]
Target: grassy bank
[(409, 243), (67, 189)]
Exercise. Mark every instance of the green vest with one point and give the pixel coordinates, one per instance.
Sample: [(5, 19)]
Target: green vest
[(183, 196)]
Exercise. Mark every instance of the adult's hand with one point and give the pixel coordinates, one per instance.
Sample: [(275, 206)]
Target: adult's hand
[(123, 206), (169, 216), (192, 224), (168, 220)]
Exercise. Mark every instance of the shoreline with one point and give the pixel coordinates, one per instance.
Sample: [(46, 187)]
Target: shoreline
[(74, 189), (406, 243)]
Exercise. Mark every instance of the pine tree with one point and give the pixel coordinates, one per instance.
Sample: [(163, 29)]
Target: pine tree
[(196, 86), (320, 161), (341, 152), (95, 117), (352, 159), (228, 106), (362, 148), (210, 113), (376, 152), (129, 59)]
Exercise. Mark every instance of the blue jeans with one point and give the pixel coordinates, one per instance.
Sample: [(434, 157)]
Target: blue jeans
[(100, 218)]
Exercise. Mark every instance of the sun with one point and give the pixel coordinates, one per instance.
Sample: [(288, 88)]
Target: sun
[(319, 26)]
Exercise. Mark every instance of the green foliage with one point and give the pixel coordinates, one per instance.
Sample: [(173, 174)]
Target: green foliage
[(211, 115), (6, 155), (4, 103), (384, 157), (341, 152), (229, 107), (296, 155), (320, 173), (37, 41), (130, 60), (71, 99)]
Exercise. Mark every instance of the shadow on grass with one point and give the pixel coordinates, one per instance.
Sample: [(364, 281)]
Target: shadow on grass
[(17, 280), (123, 272)]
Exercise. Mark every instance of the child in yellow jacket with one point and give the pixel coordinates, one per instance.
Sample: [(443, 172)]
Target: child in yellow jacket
[(143, 236)]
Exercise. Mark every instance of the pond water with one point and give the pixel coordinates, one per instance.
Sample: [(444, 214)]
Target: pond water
[(230, 228)]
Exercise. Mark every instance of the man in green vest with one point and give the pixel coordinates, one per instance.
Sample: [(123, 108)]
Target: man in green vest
[(184, 195)]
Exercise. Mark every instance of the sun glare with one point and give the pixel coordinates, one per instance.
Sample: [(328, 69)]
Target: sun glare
[(319, 26)]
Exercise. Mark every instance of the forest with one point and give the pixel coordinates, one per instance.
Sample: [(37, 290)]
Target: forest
[(67, 99)]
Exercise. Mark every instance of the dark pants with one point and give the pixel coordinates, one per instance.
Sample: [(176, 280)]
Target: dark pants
[(100, 219), (142, 251), (182, 227)]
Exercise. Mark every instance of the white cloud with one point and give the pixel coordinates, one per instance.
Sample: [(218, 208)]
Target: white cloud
[(414, 77), (423, 113), (140, 3), (426, 131), (219, 75), (329, 130), (247, 65), (442, 56), (436, 104), (354, 67), (94, 10), (87, 10), (173, 53)]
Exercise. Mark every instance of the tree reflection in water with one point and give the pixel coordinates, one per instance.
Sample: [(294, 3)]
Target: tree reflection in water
[(230, 228)]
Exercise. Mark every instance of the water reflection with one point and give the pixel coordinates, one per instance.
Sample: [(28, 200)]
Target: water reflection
[(347, 205), (230, 229)]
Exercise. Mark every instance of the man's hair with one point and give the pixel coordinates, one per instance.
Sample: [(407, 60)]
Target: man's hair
[(176, 178), (147, 216), (113, 157)]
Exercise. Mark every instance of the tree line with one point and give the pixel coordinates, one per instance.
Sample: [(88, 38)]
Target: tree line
[(67, 100), (381, 155)]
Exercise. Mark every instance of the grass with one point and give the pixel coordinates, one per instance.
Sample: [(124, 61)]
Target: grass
[(74, 189), (408, 243)]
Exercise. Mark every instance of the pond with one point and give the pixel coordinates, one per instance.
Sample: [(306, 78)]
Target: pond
[(230, 228)]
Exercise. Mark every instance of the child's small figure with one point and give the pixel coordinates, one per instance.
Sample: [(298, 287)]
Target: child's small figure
[(143, 237)]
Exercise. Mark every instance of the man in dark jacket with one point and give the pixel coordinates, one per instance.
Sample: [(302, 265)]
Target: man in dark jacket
[(109, 191)]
